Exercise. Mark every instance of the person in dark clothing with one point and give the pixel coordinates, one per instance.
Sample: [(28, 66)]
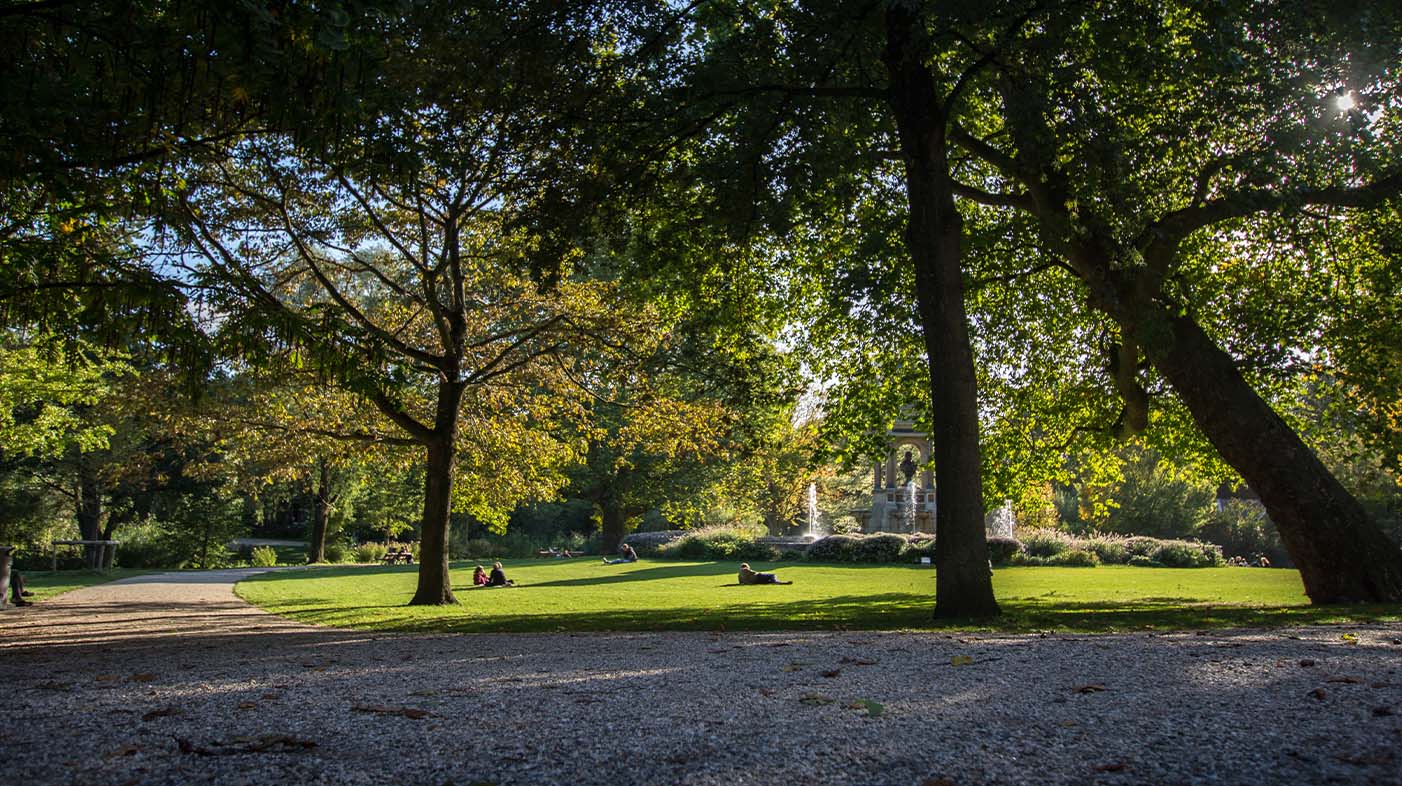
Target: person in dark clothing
[(498, 577), (625, 554), (748, 576), (13, 578)]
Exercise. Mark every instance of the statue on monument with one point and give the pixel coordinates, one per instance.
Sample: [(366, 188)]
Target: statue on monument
[(908, 467)]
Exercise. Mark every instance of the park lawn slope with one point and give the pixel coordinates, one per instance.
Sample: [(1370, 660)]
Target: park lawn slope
[(585, 595)]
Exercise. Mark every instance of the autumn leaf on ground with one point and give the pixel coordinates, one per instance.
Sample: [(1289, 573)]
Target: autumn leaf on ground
[(874, 709), (125, 750), (1318, 694), (795, 666), (815, 699), (142, 678), (1345, 680), (248, 705), (961, 660), (1349, 638), (830, 673), (860, 661), (1114, 766)]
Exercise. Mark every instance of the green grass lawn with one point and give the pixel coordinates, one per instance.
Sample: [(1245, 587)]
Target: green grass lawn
[(46, 583), (585, 595)]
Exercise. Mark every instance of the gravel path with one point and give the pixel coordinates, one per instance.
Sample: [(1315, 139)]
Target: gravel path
[(173, 680)]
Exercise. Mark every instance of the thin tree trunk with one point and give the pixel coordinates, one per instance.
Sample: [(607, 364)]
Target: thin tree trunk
[(89, 511), (316, 551), (963, 587), (1342, 555)]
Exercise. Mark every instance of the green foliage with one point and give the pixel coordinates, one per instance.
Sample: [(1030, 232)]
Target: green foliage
[(1241, 529), (917, 548), (879, 548), (1109, 549), (147, 545), (1045, 543), (834, 548), (1002, 549), (264, 557), (720, 543), (370, 552), (1074, 558), (337, 552)]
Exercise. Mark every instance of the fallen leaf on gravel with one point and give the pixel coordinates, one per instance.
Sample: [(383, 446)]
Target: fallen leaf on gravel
[(830, 673), (424, 693), (767, 691), (1089, 688), (795, 666), (380, 709), (719, 650), (276, 743), (142, 678), (125, 750), (960, 660), (270, 696), (1319, 694), (1114, 766), (939, 782), (1345, 680), (248, 705), (860, 661), (1382, 712), (1349, 638), (815, 699), (1307, 662), (106, 678), (874, 709), (51, 685), (161, 713)]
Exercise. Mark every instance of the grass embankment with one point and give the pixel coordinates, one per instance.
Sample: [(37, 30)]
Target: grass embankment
[(584, 595), (47, 583)]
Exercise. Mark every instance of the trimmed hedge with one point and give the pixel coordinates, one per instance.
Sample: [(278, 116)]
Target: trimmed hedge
[(719, 544), (1001, 549)]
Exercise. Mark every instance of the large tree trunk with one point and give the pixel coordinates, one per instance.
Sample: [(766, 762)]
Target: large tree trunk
[(316, 551), (435, 583), (963, 587), (1341, 554), (613, 523), (89, 511)]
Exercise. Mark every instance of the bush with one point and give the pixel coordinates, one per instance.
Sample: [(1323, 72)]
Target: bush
[(336, 551), (146, 545), (1109, 549), (1000, 549), (370, 552), (917, 548), (264, 557), (834, 548), (1023, 559), (1045, 543), (884, 547), (647, 544), (720, 544), (1142, 546), (1074, 558), (1188, 554), (1141, 561)]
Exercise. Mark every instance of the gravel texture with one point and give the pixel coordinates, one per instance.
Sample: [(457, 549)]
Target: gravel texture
[(174, 680)]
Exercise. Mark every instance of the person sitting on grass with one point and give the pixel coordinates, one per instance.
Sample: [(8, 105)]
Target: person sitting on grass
[(479, 577), (498, 577), (625, 554), (748, 576)]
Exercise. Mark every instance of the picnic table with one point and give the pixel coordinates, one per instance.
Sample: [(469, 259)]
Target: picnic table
[(401, 555)]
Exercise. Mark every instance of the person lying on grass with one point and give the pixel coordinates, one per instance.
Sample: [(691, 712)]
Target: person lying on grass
[(748, 576)]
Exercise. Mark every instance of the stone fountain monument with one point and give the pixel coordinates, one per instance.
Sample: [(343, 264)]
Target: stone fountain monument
[(903, 494)]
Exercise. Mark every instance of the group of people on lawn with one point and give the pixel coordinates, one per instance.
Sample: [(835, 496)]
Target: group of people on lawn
[(497, 577)]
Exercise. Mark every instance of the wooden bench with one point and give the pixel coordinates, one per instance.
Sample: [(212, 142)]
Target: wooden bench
[(404, 556)]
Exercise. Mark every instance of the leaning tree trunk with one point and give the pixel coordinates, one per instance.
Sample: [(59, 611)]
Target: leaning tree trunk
[(1342, 555), (316, 551), (435, 582), (963, 587)]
